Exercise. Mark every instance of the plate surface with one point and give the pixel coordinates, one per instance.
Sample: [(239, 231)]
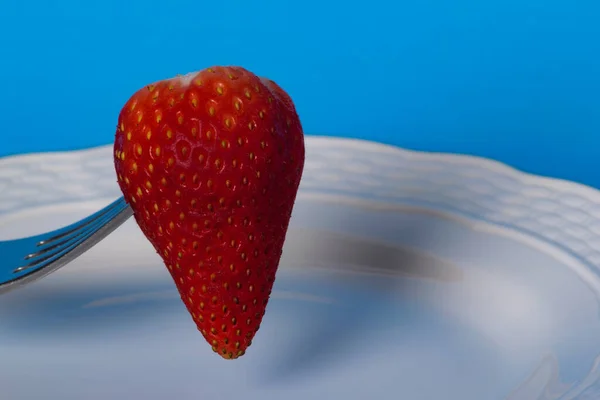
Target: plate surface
[(405, 276)]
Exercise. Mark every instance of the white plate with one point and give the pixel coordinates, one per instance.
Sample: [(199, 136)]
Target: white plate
[(405, 276)]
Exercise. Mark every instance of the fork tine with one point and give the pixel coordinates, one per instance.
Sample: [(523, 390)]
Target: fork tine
[(78, 238), (50, 253), (53, 236), (73, 231), (77, 234)]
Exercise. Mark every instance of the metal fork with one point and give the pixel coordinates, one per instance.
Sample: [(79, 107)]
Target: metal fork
[(26, 260)]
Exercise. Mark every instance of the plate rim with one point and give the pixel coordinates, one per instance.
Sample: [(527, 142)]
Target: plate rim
[(94, 165)]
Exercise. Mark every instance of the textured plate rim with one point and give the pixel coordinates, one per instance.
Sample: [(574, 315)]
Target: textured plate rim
[(381, 171)]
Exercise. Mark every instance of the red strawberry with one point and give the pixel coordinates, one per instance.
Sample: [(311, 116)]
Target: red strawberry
[(210, 163)]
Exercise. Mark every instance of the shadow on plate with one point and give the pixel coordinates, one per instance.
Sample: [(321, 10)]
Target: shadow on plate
[(371, 277)]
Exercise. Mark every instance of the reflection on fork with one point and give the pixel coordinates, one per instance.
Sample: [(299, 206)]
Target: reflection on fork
[(25, 260)]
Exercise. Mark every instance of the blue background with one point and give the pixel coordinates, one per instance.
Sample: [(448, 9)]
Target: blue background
[(513, 80)]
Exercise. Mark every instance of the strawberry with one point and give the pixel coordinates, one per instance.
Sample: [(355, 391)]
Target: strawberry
[(210, 163)]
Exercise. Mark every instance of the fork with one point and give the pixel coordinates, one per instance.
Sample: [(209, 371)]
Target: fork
[(26, 260)]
